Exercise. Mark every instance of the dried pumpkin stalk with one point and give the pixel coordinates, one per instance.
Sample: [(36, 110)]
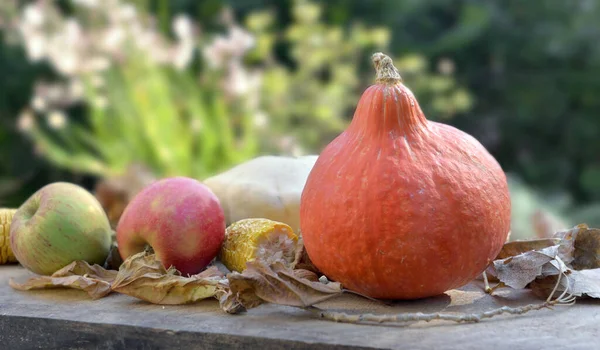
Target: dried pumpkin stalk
[(6, 253), (257, 238)]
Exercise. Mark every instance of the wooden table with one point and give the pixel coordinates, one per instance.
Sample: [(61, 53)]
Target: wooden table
[(68, 319)]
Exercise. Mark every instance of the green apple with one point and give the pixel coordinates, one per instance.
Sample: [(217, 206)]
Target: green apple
[(57, 225)]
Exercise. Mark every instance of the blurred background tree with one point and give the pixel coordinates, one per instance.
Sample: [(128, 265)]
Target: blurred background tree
[(236, 78)]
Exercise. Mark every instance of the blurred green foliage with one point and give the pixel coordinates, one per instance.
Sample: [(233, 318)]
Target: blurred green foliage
[(143, 110), (519, 76)]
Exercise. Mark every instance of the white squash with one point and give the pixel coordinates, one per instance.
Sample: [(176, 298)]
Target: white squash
[(265, 187)]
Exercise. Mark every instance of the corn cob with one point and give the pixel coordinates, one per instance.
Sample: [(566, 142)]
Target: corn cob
[(6, 254), (264, 239)]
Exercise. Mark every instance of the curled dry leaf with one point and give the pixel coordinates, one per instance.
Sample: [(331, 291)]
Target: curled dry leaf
[(567, 239), (238, 300), (578, 283), (302, 261), (514, 248), (143, 277), (92, 279), (274, 283), (576, 255), (586, 253), (519, 247)]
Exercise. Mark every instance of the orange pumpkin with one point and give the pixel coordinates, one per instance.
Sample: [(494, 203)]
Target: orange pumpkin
[(399, 207)]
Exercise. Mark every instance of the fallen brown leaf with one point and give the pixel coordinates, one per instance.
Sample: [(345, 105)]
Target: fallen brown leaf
[(586, 253), (575, 259), (578, 283), (92, 279), (567, 239), (274, 283), (143, 277), (518, 271), (303, 261), (519, 247)]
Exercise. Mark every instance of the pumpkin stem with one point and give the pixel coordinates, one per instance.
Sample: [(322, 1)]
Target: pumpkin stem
[(386, 72)]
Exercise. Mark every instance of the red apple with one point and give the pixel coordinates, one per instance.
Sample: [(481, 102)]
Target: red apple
[(180, 218)]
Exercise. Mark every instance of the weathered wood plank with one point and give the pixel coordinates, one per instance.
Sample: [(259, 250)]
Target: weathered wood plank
[(68, 319)]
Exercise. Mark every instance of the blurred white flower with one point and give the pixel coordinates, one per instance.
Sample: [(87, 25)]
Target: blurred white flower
[(72, 31), (66, 62), (65, 48), (183, 55), (216, 52), (25, 121), (57, 119), (38, 103), (224, 48), (240, 41), (183, 28), (127, 12), (33, 15), (35, 45), (112, 38), (183, 52), (240, 81)]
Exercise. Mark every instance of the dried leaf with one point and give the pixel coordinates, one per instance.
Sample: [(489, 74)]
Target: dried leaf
[(580, 283), (143, 277), (93, 279), (519, 247), (275, 284), (586, 253), (302, 261), (518, 271), (238, 300), (585, 282), (575, 260), (567, 242), (543, 286)]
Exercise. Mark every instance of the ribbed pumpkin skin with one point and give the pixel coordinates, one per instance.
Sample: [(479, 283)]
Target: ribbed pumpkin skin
[(398, 207)]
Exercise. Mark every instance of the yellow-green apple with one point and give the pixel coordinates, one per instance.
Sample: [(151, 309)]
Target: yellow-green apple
[(180, 218), (60, 223)]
